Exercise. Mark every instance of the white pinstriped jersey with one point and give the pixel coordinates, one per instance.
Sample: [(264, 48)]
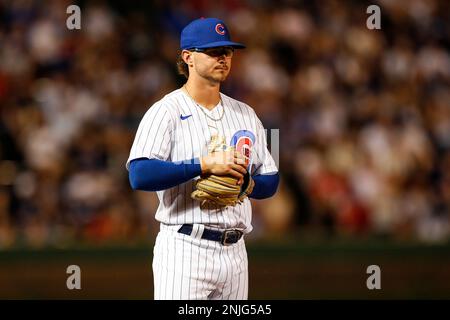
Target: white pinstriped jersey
[(175, 129)]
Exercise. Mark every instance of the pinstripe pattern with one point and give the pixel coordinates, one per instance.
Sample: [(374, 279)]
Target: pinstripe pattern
[(227, 279), (188, 267)]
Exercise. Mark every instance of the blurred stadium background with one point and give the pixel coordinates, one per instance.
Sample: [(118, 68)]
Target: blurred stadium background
[(364, 119)]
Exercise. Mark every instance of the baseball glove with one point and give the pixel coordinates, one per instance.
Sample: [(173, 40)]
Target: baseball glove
[(221, 191)]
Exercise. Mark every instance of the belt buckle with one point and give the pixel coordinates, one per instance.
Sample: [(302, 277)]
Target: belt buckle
[(230, 236)]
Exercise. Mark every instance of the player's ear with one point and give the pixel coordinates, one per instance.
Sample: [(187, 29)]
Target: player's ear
[(186, 55)]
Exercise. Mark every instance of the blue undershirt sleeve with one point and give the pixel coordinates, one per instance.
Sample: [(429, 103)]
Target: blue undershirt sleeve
[(265, 186), (155, 175)]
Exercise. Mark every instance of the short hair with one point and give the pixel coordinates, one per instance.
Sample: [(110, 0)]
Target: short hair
[(182, 67)]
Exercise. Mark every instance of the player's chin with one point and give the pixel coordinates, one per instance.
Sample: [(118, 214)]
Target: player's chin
[(220, 74), (216, 78)]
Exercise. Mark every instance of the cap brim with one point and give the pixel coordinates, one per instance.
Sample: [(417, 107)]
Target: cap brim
[(221, 44)]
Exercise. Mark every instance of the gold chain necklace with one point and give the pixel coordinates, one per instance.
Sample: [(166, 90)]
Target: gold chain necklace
[(201, 108)]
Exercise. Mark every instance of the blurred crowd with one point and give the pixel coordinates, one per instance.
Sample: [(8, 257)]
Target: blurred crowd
[(363, 115)]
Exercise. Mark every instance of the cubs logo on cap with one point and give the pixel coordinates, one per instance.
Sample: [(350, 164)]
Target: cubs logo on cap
[(207, 33), (220, 29)]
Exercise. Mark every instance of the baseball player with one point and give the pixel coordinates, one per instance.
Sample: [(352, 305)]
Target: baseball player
[(205, 154)]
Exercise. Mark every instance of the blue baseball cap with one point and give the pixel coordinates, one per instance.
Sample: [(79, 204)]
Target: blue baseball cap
[(207, 33)]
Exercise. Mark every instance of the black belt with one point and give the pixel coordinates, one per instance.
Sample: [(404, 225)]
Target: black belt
[(226, 237)]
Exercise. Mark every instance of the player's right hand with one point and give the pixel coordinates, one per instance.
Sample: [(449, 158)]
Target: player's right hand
[(224, 163)]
